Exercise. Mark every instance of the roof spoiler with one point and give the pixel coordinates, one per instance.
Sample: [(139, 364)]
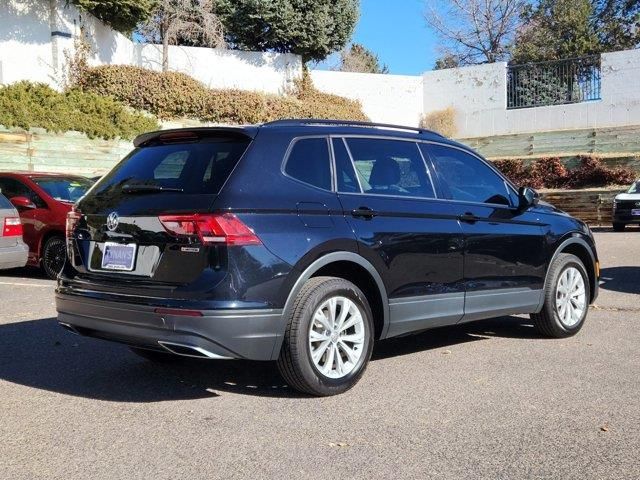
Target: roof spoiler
[(190, 134)]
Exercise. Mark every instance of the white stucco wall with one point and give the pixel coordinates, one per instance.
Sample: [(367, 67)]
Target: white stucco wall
[(384, 98), (479, 96), (29, 51)]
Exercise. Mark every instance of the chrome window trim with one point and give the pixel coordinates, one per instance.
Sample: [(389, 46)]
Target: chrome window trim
[(508, 183), (287, 154)]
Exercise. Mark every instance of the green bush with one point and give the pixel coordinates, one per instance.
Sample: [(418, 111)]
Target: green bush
[(26, 105), (172, 95)]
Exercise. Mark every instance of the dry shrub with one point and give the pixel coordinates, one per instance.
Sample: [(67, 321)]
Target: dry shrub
[(172, 95), (551, 173), (441, 121)]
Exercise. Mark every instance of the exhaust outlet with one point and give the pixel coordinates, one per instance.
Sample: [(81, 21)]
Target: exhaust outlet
[(190, 351), (69, 328)]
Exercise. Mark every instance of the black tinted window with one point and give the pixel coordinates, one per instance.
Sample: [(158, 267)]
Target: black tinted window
[(309, 162), (10, 188), (390, 167), (345, 174), (194, 168), (466, 177)]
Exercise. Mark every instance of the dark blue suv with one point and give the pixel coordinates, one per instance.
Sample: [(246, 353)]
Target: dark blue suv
[(304, 241)]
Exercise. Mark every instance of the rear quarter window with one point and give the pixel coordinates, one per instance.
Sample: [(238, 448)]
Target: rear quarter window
[(309, 162)]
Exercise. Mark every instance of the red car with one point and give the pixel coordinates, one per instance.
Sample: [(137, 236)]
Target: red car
[(43, 200)]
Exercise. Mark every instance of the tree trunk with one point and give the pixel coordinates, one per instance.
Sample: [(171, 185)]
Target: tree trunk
[(165, 52)]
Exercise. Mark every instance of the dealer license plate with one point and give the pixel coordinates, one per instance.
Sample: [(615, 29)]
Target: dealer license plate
[(118, 256)]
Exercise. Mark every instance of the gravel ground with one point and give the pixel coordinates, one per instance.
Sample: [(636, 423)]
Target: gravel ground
[(486, 400)]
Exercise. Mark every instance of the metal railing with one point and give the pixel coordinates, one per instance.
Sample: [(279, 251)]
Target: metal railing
[(556, 82)]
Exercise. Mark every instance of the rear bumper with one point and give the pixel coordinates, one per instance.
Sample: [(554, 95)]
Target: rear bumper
[(248, 334), (14, 257)]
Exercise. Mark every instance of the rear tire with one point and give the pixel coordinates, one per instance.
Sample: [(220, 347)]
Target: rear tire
[(54, 256), (155, 356), (566, 298), (329, 338), (619, 227)]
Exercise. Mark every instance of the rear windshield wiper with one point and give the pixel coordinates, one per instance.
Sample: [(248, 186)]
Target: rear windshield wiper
[(142, 188)]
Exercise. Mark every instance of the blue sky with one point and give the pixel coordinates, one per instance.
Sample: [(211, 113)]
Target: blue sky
[(396, 31)]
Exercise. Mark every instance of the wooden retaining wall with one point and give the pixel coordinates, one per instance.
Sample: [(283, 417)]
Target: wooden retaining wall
[(617, 146), (38, 150), (594, 206)]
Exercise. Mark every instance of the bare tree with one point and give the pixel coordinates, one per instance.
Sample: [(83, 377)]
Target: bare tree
[(474, 31), (191, 22)]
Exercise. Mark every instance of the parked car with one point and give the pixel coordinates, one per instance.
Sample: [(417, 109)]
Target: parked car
[(43, 201), (626, 207), (13, 251), (305, 241)]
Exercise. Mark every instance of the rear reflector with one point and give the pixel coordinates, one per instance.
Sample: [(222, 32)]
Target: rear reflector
[(212, 229), (12, 227), (178, 311)]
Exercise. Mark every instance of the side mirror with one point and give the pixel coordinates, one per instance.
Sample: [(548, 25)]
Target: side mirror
[(22, 203), (528, 197)]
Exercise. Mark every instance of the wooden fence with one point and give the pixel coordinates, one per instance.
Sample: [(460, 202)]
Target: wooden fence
[(593, 206)]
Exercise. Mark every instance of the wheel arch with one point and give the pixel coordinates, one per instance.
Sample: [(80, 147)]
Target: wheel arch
[(579, 247), (354, 268)]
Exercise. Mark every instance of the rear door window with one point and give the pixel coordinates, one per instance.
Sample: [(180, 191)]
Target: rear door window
[(390, 167), (309, 162)]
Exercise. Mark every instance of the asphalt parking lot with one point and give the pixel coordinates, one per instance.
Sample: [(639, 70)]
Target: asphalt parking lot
[(486, 400)]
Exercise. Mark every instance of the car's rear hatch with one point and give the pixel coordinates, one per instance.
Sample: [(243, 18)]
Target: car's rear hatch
[(146, 228)]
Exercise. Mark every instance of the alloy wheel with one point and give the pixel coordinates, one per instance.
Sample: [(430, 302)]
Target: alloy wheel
[(336, 337), (571, 298)]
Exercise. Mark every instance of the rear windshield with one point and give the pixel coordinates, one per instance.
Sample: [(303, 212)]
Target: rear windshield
[(67, 189), (191, 168)]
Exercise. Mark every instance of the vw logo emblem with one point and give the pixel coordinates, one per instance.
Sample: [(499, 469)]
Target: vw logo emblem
[(112, 221), (637, 204)]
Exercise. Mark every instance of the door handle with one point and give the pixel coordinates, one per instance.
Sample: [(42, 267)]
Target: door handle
[(363, 212), (468, 217)]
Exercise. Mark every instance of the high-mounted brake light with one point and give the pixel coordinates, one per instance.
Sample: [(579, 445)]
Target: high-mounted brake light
[(212, 229), (72, 219), (12, 227)]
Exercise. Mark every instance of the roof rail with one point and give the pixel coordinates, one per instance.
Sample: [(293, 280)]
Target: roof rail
[(348, 123)]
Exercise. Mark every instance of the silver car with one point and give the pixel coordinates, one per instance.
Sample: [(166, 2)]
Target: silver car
[(13, 251)]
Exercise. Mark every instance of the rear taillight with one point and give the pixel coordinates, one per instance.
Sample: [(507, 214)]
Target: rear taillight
[(72, 220), (12, 227), (212, 229)]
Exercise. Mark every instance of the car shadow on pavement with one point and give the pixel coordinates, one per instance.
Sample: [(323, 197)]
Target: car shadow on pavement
[(40, 354), (621, 279)]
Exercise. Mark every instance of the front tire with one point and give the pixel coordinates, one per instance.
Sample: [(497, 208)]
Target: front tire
[(329, 338), (54, 256), (618, 227), (566, 298)]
